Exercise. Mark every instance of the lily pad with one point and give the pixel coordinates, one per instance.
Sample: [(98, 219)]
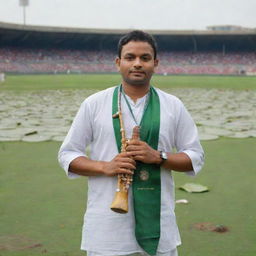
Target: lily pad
[(240, 135), (208, 137), (36, 138), (225, 113), (58, 138), (194, 188)]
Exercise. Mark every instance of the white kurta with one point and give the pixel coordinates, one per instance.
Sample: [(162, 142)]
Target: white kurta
[(105, 231)]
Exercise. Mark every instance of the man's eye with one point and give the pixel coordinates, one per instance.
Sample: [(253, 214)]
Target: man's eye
[(145, 58), (129, 58)]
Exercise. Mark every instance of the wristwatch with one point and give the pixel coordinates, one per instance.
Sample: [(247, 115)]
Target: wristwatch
[(163, 156)]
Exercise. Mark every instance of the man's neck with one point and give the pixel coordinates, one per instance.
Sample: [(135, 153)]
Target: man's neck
[(135, 91)]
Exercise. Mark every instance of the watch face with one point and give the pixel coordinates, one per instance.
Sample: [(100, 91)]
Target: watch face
[(164, 155)]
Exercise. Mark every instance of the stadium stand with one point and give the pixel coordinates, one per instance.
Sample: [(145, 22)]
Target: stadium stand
[(30, 60), (41, 50)]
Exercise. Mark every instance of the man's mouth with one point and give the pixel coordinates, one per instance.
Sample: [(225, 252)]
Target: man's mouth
[(137, 72)]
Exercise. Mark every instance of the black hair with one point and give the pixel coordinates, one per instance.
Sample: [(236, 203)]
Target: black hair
[(139, 36)]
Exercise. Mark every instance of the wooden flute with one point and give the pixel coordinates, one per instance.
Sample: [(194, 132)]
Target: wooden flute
[(120, 202)]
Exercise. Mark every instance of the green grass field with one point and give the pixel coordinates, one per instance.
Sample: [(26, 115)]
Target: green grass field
[(95, 81), (42, 211)]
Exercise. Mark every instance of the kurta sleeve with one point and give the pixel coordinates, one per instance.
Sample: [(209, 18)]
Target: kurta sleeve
[(77, 139), (187, 140)]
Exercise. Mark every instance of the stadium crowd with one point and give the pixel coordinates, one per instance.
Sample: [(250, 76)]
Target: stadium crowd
[(30, 60)]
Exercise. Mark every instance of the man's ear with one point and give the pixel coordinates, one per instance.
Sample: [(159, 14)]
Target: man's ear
[(156, 61), (118, 63)]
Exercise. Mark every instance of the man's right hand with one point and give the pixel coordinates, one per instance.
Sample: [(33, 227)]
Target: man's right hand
[(121, 163)]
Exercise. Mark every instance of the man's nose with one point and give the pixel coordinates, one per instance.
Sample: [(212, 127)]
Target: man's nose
[(137, 63)]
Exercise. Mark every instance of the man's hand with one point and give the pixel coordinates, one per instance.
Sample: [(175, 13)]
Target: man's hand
[(141, 151), (122, 163)]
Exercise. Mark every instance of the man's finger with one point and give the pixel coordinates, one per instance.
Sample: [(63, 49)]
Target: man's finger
[(124, 170), (139, 158), (127, 166), (124, 155), (137, 153), (126, 160), (132, 148), (134, 142)]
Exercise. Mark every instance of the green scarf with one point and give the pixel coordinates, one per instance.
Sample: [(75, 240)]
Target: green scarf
[(146, 180)]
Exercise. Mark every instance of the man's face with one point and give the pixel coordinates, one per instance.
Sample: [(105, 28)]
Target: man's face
[(137, 63)]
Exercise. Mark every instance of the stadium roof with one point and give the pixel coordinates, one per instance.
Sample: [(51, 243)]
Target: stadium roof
[(42, 36)]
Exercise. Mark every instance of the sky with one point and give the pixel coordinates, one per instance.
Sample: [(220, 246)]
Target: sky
[(132, 14)]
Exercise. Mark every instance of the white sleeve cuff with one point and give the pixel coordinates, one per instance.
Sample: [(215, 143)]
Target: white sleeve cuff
[(65, 158), (197, 159)]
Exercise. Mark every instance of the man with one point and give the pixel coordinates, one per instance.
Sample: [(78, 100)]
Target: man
[(149, 228)]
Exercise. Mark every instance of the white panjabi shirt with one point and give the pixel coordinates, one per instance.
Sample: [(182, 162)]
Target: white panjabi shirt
[(105, 231)]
